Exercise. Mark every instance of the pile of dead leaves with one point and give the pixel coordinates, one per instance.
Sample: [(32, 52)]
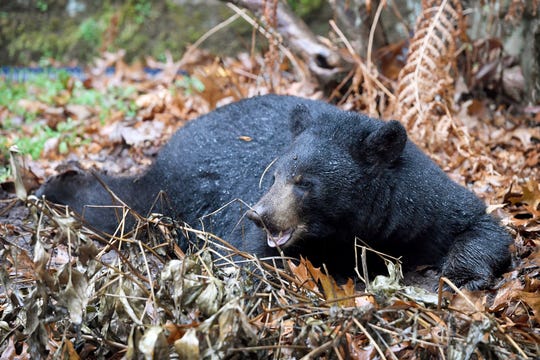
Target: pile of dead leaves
[(78, 294)]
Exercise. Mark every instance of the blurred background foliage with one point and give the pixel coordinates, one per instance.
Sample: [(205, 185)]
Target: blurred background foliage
[(35, 31)]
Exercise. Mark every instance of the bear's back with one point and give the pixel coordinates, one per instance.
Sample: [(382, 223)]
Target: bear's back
[(221, 157)]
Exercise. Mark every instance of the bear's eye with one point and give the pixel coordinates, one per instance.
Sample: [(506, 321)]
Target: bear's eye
[(301, 182)]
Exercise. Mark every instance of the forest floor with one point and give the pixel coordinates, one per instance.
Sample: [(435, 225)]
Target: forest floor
[(71, 291)]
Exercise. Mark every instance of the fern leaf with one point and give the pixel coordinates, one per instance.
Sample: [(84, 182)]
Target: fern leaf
[(425, 84)]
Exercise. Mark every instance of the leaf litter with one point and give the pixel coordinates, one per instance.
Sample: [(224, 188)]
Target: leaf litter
[(69, 291)]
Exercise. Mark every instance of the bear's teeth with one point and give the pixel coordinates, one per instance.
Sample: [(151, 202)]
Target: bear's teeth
[(278, 240)]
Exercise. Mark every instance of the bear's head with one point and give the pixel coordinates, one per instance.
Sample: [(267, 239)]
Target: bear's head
[(325, 181)]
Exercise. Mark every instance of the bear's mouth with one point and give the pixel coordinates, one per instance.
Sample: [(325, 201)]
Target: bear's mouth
[(279, 239)]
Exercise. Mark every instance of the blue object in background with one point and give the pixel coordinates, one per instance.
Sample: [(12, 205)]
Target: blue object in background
[(22, 74)]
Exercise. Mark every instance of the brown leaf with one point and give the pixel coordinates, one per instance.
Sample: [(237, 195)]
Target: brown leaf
[(525, 135), (153, 344), (533, 158), (75, 296), (270, 319), (152, 103), (32, 106), (311, 276), (17, 168), (134, 135), (533, 301), (513, 83), (11, 352), (174, 331), (465, 303), (391, 59), (506, 295), (234, 324), (79, 112), (68, 351), (216, 78), (531, 194), (477, 108), (359, 348), (187, 347), (303, 275), (328, 284)]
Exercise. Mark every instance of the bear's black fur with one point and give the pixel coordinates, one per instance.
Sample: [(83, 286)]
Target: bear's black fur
[(337, 175)]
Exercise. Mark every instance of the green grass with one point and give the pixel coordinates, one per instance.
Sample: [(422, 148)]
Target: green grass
[(29, 124), (66, 132), (189, 85), (115, 99), (41, 88), (5, 173)]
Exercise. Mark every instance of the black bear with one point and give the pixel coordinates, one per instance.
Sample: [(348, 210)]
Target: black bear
[(337, 176)]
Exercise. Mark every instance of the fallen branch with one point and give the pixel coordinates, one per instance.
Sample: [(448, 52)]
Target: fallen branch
[(324, 62)]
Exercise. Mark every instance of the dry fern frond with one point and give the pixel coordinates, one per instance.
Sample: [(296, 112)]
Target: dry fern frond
[(425, 91)]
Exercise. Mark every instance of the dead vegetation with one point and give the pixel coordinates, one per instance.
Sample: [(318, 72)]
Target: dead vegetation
[(69, 292), (86, 295), (425, 87)]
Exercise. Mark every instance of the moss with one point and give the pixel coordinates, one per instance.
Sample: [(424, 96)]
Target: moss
[(141, 27)]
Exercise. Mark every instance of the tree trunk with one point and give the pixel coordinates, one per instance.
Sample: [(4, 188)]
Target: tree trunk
[(530, 60)]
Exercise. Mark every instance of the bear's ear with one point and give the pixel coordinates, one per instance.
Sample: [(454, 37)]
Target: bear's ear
[(385, 144), (300, 119)]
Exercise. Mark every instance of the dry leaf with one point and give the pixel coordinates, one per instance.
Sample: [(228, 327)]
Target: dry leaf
[(68, 351), (310, 276), (531, 194), (153, 344), (187, 347)]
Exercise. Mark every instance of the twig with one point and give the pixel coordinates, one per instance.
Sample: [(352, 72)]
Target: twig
[(400, 335), (359, 62), (372, 33), (318, 350), (371, 339), (457, 290), (150, 282), (270, 37), (211, 32)]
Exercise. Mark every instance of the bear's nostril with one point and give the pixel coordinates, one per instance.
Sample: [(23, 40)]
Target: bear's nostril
[(255, 217)]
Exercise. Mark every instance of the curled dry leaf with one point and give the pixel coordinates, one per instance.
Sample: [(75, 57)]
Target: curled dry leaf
[(387, 284), (234, 327), (153, 344), (210, 298), (75, 294), (79, 112), (189, 285), (187, 347), (153, 103), (15, 160)]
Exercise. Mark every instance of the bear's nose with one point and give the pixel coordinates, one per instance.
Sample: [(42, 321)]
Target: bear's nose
[(255, 217)]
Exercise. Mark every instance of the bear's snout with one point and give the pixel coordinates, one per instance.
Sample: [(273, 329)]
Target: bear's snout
[(275, 235), (262, 217), (255, 217)]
